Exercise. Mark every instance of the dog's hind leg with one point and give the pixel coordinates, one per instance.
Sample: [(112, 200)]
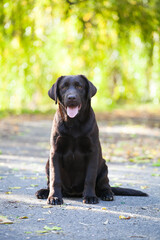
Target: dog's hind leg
[(103, 189), (42, 193)]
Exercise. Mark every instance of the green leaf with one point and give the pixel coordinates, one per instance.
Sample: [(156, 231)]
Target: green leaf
[(15, 169), (34, 185), (42, 231), (117, 185), (34, 178), (48, 229), (23, 178), (156, 174), (54, 228)]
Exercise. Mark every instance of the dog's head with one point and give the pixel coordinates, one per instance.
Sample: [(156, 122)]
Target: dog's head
[(72, 92)]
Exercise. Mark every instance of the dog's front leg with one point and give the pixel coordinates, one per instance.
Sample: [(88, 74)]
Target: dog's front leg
[(89, 195), (55, 194)]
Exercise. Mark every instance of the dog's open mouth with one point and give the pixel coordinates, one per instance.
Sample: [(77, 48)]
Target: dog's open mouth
[(72, 111)]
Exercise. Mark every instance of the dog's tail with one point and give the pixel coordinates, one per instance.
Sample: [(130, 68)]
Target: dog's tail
[(127, 192)]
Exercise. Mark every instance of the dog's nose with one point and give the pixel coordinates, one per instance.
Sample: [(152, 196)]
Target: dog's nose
[(71, 97)]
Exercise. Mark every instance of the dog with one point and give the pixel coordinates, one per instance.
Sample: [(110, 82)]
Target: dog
[(76, 166)]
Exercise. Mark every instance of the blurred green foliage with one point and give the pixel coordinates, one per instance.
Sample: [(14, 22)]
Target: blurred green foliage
[(116, 44)]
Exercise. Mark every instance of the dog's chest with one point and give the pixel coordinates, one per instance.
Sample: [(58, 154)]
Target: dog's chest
[(67, 144)]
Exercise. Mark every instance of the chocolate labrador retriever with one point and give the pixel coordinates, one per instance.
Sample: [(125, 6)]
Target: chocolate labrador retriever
[(76, 166)]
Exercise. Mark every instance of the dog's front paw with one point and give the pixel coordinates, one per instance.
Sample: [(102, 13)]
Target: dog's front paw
[(90, 200), (54, 200), (107, 196)]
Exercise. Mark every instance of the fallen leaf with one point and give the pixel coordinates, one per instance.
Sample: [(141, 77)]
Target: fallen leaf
[(106, 222), (42, 231), (14, 187), (155, 169), (1, 178), (24, 217), (117, 185), (103, 208), (71, 207), (34, 185), (138, 236), (13, 202), (144, 187), (156, 175), (27, 232), (144, 208), (54, 228), (48, 229), (123, 217), (48, 206), (8, 192), (15, 169), (4, 220), (34, 178), (40, 219), (24, 178)]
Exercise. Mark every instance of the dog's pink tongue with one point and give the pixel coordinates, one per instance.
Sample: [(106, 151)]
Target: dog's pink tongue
[(72, 111)]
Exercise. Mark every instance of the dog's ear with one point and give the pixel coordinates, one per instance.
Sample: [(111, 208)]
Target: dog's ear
[(91, 88), (53, 91)]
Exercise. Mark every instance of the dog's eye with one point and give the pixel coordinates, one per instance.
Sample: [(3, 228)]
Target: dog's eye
[(65, 86), (78, 86)]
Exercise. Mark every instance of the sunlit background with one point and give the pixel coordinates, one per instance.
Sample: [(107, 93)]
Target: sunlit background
[(116, 44)]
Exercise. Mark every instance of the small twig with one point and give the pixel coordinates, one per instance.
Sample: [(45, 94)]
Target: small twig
[(85, 224)]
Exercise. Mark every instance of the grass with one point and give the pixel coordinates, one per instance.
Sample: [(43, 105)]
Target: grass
[(156, 164), (18, 112), (101, 108), (131, 106)]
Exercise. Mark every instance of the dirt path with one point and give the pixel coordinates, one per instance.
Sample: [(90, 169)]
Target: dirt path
[(133, 152)]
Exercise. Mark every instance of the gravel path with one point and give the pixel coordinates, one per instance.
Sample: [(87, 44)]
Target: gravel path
[(24, 148)]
